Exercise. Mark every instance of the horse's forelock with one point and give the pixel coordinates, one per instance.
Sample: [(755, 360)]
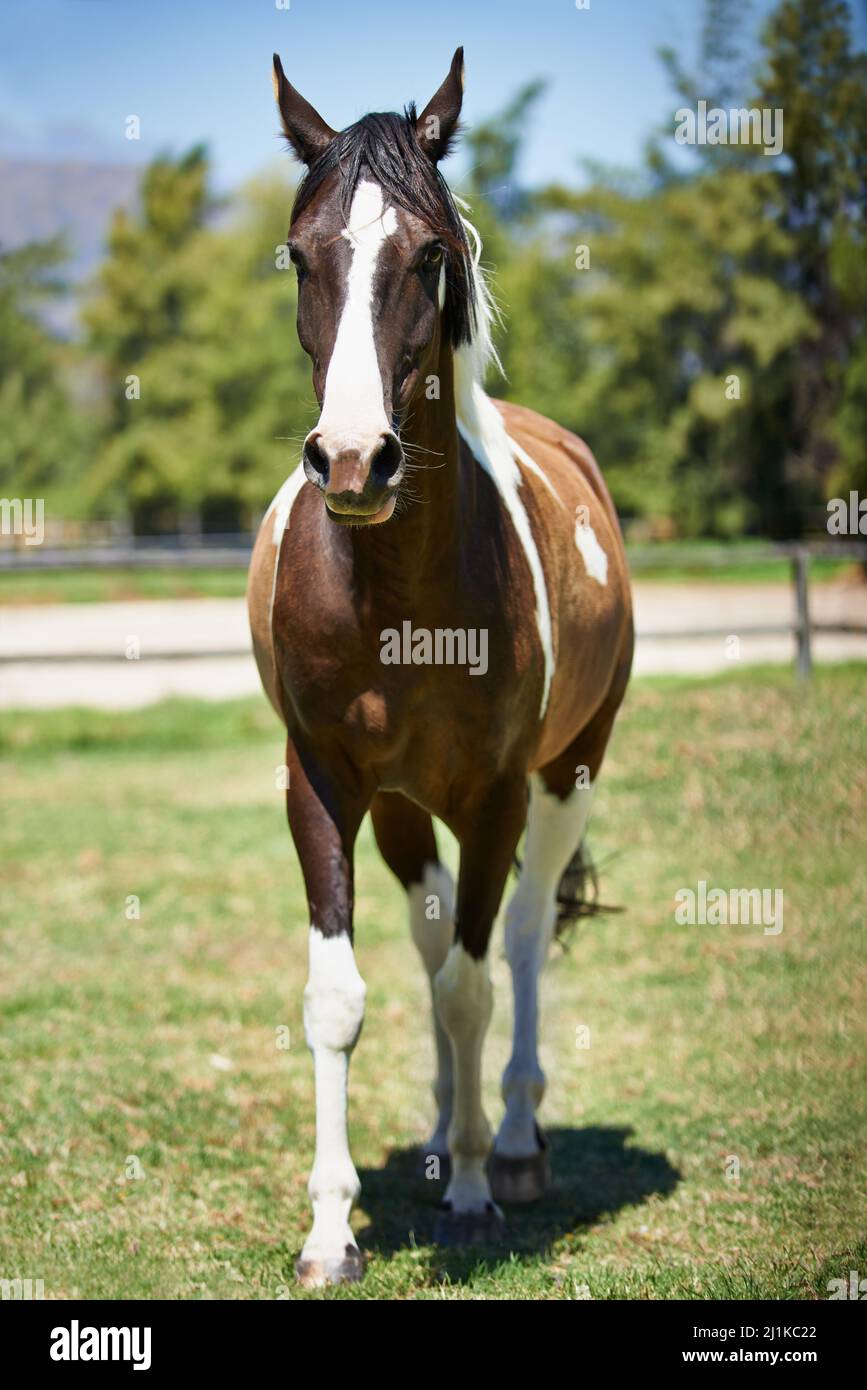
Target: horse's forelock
[(382, 146)]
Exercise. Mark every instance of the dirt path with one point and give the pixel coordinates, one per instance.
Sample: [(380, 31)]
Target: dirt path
[(123, 655)]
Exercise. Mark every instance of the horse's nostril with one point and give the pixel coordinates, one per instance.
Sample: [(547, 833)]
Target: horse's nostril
[(387, 460), (315, 461)]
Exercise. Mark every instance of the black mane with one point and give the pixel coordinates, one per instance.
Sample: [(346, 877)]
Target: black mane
[(383, 145)]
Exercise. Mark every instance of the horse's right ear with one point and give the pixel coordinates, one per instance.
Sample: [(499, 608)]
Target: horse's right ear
[(303, 126)]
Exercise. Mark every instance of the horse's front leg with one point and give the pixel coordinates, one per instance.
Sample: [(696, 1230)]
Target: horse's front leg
[(324, 821), (488, 833)]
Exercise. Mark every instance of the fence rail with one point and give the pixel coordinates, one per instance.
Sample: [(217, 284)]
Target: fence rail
[(138, 555), (233, 552)]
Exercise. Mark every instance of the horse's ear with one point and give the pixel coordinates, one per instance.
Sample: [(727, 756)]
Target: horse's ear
[(305, 129), (437, 125)]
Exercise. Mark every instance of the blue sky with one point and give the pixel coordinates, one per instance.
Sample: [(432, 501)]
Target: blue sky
[(71, 71)]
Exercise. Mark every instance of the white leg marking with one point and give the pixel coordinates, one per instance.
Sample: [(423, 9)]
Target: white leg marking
[(333, 1014), (432, 923), (353, 414), (464, 1000), (554, 831)]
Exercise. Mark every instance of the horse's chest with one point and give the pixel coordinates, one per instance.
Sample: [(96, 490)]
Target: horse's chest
[(392, 706)]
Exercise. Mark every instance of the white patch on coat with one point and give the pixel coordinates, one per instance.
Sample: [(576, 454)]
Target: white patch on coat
[(281, 506), (555, 829), (533, 466), (333, 1014), (594, 557), (353, 415), (484, 430)]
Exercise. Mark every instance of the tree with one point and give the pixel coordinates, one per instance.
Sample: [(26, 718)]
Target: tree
[(137, 323), (820, 200), (715, 340), (38, 439), (192, 323)]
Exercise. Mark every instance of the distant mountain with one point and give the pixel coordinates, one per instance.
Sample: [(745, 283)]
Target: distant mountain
[(38, 200)]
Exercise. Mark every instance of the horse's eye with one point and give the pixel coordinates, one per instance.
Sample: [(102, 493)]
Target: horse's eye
[(297, 260), (433, 256)]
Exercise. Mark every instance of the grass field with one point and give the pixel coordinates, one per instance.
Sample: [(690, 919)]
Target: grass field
[(119, 585), (149, 1044)]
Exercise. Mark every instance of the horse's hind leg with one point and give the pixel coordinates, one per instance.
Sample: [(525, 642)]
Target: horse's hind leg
[(405, 835), (488, 826), (556, 822)]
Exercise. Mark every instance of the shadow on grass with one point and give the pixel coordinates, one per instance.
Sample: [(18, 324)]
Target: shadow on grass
[(595, 1173)]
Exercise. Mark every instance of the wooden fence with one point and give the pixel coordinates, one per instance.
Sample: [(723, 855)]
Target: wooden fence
[(231, 552)]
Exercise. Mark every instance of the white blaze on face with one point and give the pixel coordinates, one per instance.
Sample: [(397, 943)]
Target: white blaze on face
[(353, 415)]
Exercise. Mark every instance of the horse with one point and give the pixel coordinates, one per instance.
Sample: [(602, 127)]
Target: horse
[(441, 617)]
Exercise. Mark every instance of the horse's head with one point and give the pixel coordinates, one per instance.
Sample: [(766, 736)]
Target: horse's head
[(384, 270)]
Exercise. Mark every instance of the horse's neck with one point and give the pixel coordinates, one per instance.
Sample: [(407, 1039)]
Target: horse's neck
[(423, 539)]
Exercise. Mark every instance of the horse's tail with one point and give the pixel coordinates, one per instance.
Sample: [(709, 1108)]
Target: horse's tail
[(578, 893)]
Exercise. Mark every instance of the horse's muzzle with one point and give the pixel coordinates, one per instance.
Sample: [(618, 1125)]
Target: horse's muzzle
[(360, 482)]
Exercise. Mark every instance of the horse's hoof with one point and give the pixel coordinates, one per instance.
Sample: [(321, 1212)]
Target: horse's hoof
[(339, 1269), (454, 1228), (520, 1179), (433, 1166)]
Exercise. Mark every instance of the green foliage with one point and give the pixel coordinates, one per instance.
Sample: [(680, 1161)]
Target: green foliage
[(713, 349), (197, 313), (37, 440), (820, 200), (710, 344)]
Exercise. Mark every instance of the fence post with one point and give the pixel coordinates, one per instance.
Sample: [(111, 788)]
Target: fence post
[(804, 654)]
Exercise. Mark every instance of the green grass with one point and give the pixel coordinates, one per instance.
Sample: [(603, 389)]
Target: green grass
[(680, 561), (706, 1042), (119, 585)]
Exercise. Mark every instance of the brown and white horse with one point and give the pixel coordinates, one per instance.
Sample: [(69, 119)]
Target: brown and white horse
[(441, 617)]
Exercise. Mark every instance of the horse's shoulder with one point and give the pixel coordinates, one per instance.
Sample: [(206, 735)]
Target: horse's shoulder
[(554, 449)]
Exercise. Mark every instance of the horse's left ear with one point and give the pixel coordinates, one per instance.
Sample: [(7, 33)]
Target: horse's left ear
[(437, 125)]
